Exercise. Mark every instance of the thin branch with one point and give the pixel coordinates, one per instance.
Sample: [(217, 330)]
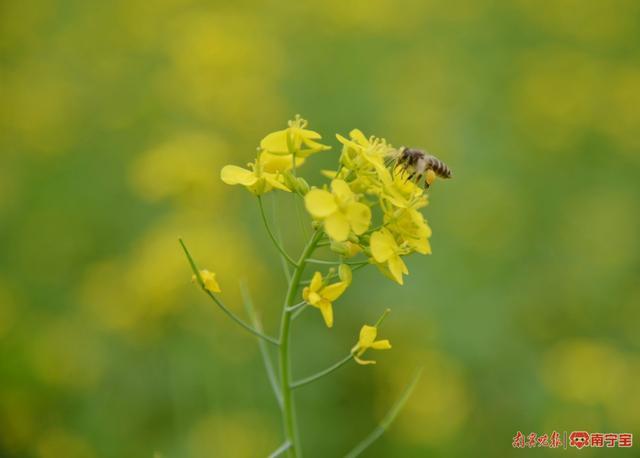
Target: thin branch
[(272, 236), (388, 418), (264, 351), (283, 260), (322, 261), (321, 374), (293, 308), (337, 263), (224, 308), (361, 265), (280, 450), (299, 311)]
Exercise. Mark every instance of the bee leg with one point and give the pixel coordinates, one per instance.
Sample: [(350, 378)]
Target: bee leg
[(393, 164)]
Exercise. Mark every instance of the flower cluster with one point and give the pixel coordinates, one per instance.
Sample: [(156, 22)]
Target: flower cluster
[(369, 208), (368, 177), (368, 213)]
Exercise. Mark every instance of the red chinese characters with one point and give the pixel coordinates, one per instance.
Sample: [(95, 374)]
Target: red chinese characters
[(576, 439), (518, 440), (610, 439), (597, 440), (555, 441), (625, 440)]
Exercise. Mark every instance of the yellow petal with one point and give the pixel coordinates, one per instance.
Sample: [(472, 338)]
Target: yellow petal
[(329, 173), (309, 134), (273, 180), (405, 270), (381, 249), (358, 136), (367, 336), (305, 293), (363, 362), (397, 267), (320, 203), (210, 282), (316, 282), (346, 142), (341, 190), (315, 146), (276, 142), (337, 226), (334, 291), (232, 174), (327, 313), (359, 216), (384, 269), (314, 299), (421, 246), (278, 163), (381, 345)]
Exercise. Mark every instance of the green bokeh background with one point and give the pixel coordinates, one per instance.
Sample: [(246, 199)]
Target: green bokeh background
[(116, 118)]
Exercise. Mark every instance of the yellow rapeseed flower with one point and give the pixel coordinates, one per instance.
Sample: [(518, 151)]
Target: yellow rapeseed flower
[(412, 229), (295, 139), (362, 158), (368, 340), (386, 252), (359, 151), (321, 296), (263, 175), (339, 210), (397, 190), (209, 281)]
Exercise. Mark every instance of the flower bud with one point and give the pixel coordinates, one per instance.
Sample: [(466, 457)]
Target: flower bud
[(344, 272), (339, 247), (352, 249), (289, 180), (302, 187)]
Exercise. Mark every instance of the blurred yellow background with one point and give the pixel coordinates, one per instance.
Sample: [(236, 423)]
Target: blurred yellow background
[(116, 118)]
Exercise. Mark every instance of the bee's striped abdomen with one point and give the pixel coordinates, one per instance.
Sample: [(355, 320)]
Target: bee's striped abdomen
[(440, 168)]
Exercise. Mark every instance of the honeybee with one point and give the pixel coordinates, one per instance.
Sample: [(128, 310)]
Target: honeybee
[(420, 164)]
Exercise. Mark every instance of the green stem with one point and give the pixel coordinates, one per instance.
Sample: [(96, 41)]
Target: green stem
[(321, 374), (272, 235), (280, 450), (388, 418), (288, 411), (224, 308)]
